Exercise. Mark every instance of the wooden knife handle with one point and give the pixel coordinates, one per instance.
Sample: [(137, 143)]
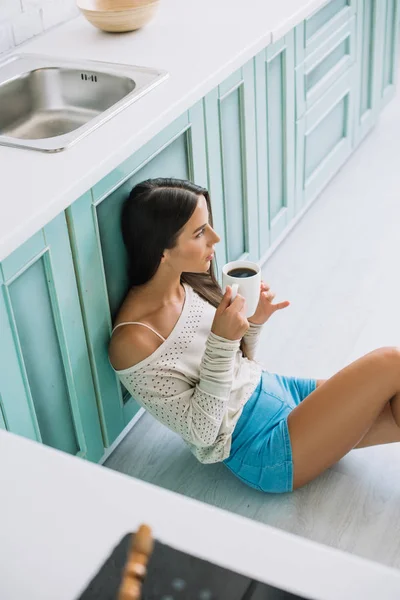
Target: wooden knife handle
[(142, 544)]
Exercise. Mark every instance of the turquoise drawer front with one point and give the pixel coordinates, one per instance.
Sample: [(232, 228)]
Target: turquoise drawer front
[(314, 31), (316, 75), (324, 139)]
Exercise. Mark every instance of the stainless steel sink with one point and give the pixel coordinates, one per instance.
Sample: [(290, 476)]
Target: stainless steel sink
[(49, 104)]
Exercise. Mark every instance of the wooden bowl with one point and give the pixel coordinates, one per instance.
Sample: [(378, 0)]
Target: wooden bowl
[(118, 15)]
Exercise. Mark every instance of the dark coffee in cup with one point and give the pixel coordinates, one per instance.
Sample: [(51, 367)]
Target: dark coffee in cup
[(242, 272)]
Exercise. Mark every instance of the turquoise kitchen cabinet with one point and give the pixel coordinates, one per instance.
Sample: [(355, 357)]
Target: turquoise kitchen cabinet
[(231, 162), (100, 260), (275, 138), (264, 142), (326, 57), (46, 388), (324, 139)]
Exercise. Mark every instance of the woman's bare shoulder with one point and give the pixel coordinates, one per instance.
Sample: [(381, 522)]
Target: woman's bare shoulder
[(130, 344)]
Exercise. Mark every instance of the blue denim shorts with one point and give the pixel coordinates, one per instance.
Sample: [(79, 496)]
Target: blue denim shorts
[(261, 452)]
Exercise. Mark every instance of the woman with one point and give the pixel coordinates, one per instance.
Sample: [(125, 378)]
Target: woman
[(187, 355)]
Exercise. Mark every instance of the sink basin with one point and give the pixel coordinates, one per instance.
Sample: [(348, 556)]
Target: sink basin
[(48, 104)]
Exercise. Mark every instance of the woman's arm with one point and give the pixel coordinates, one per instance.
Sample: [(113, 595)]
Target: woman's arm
[(203, 407), (251, 339)]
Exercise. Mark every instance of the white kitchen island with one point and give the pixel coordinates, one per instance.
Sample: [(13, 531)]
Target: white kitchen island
[(61, 517)]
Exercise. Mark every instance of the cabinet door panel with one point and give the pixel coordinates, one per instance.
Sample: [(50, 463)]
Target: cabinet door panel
[(125, 169), (367, 44), (231, 153), (17, 410), (42, 358), (169, 161), (46, 386), (390, 50), (276, 123), (231, 107), (370, 19), (100, 259), (324, 139), (275, 138), (172, 161), (377, 34)]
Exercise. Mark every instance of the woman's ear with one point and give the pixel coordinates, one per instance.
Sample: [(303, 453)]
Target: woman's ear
[(165, 254)]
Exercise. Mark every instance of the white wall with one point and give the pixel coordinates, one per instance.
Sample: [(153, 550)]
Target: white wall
[(23, 19)]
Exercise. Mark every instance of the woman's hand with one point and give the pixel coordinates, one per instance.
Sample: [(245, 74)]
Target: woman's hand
[(265, 307), (230, 320)]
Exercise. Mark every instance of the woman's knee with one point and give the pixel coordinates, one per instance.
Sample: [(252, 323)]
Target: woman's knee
[(389, 354), (389, 358)]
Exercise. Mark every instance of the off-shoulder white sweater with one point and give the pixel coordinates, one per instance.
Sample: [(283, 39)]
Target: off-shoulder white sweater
[(196, 383)]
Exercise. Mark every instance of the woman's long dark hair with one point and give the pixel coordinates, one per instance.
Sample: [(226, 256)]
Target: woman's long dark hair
[(152, 219)]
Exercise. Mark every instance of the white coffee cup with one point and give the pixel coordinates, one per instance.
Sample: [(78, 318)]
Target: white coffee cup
[(248, 287)]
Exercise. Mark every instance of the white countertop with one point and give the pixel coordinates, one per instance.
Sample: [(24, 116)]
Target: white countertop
[(198, 43), (60, 517)]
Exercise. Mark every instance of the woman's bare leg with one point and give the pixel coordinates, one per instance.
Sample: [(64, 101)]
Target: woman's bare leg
[(340, 413), (382, 431)]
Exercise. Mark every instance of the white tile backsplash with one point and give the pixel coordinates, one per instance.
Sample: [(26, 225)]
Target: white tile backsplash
[(26, 25), (8, 8), (20, 20), (6, 37), (58, 11)]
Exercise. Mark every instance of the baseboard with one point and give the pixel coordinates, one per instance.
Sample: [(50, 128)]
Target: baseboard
[(121, 436)]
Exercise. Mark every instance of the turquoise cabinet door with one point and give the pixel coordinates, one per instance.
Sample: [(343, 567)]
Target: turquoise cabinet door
[(46, 388), (324, 138), (100, 261), (231, 160), (390, 50), (370, 25), (377, 61), (275, 78)]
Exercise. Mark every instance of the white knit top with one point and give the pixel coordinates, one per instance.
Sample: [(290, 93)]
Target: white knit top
[(196, 383)]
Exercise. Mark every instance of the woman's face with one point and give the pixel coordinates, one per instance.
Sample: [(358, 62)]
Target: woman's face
[(195, 246)]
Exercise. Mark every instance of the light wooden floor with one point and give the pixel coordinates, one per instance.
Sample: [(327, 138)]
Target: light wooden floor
[(340, 269)]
